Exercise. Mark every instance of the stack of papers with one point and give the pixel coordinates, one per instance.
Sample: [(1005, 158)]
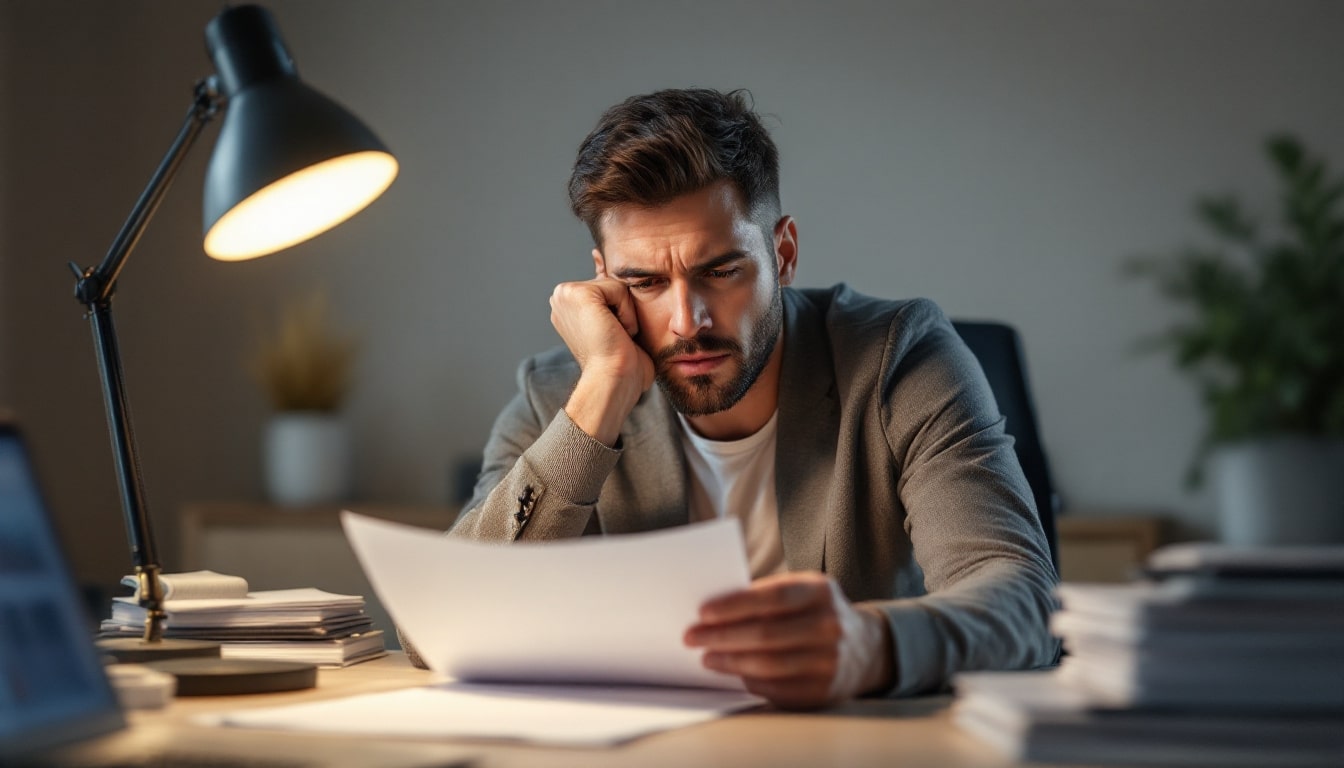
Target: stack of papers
[(1228, 656), (308, 625), (1039, 717), (340, 652), (268, 608), (1168, 646)]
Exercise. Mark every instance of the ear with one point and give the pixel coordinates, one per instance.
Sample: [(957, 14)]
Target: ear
[(599, 264), (786, 249)]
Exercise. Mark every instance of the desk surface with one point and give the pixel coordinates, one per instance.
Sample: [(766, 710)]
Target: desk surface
[(915, 732)]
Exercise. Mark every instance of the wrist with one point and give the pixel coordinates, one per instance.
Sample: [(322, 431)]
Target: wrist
[(600, 404), (880, 676)]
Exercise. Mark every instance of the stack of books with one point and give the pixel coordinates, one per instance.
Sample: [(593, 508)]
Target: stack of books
[(307, 625), (1223, 656)]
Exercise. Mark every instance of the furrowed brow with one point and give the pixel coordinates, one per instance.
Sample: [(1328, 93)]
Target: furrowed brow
[(718, 262), (634, 273)]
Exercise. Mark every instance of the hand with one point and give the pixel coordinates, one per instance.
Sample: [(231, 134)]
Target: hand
[(596, 318), (794, 639)]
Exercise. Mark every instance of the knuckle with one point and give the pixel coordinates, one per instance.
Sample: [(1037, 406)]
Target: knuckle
[(830, 664), (751, 665), (829, 628), (764, 631), (781, 599)]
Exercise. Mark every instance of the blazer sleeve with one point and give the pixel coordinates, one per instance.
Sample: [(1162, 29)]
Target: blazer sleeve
[(540, 474), (970, 516)]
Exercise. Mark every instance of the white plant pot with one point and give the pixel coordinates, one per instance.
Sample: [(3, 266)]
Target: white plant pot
[(307, 459), (1281, 490)]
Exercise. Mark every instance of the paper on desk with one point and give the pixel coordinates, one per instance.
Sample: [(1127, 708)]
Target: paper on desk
[(593, 610), (548, 714)]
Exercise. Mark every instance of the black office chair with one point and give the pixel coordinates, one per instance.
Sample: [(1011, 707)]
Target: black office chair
[(999, 350)]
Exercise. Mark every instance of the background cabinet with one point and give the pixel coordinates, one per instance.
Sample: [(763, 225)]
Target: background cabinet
[(1106, 549), (282, 548)]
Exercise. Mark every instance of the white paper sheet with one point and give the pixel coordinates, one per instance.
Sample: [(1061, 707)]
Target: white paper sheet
[(609, 609), (551, 714)]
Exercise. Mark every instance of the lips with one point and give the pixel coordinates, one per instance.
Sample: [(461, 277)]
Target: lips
[(697, 365)]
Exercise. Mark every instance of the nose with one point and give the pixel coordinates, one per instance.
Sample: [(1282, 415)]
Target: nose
[(690, 315)]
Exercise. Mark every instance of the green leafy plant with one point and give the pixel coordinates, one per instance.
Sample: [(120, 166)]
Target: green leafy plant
[(303, 365), (1264, 338)]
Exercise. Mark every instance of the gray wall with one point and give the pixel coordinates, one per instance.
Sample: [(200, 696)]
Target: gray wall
[(1001, 158)]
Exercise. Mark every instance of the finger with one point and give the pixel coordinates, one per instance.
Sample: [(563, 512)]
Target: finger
[(790, 693), (616, 296), (771, 596), (807, 629), (817, 663), (625, 311), (573, 300)]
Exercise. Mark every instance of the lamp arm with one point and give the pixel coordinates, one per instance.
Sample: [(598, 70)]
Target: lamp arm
[(99, 282), (94, 289)]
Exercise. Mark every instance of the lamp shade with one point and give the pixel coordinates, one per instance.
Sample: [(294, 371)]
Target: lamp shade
[(289, 163)]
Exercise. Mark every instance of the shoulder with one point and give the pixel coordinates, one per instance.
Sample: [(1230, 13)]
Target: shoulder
[(554, 367), (905, 353), (844, 309), (867, 329)]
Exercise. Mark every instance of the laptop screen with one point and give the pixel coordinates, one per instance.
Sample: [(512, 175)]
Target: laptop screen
[(52, 687)]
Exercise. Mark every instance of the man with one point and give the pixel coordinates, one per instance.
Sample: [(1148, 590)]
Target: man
[(891, 535)]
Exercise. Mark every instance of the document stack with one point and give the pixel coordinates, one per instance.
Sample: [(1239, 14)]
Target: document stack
[(307, 625), (1224, 657)]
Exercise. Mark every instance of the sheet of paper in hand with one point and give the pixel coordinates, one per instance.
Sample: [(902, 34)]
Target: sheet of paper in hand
[(597, 610)]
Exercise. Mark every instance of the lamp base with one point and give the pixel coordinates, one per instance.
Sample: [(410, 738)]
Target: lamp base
[(233, 677), (201, 672), (134, 650)]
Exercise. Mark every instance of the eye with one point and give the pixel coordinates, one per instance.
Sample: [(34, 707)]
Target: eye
[(722, 274), (647, 284)]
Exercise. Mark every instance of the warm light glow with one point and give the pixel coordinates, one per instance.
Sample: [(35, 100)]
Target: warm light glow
[(301, 205)]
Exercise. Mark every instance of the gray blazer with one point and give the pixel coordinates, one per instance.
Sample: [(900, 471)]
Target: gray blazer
[(893, 475)]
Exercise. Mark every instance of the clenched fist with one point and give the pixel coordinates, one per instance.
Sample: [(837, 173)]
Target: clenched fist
[(596, 318)]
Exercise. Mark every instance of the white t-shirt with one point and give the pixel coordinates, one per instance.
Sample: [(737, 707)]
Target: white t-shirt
[(736, 478)]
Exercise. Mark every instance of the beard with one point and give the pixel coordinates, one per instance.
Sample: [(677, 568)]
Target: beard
[(698, 395)]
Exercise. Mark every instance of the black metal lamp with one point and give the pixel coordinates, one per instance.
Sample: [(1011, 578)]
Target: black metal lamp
[(289, 164)]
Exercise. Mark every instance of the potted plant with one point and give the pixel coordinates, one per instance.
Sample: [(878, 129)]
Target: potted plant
[(1264, 341), (305, 370)]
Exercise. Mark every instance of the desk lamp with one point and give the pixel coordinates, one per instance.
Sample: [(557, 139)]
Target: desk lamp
[(289, 164)]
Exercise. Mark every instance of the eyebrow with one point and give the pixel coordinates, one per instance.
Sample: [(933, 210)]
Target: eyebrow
[(635, 273)]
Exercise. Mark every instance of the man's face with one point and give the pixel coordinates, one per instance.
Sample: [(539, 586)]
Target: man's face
[(705, 282)]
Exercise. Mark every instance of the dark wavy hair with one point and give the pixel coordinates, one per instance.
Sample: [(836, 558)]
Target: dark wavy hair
[(650, 149)]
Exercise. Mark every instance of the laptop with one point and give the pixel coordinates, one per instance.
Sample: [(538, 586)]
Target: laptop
[(56, 705)]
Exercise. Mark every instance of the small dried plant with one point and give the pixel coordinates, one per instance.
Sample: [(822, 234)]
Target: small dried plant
[(304, 366)]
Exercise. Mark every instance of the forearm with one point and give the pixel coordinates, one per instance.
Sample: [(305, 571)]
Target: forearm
[(550, 492), (996, 618), (879, 667), (600, 404)]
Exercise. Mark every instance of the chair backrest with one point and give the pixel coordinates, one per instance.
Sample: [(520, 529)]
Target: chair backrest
[(999, 350)]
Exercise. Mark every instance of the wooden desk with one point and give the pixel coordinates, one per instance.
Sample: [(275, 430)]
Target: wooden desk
[(915, 732)]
